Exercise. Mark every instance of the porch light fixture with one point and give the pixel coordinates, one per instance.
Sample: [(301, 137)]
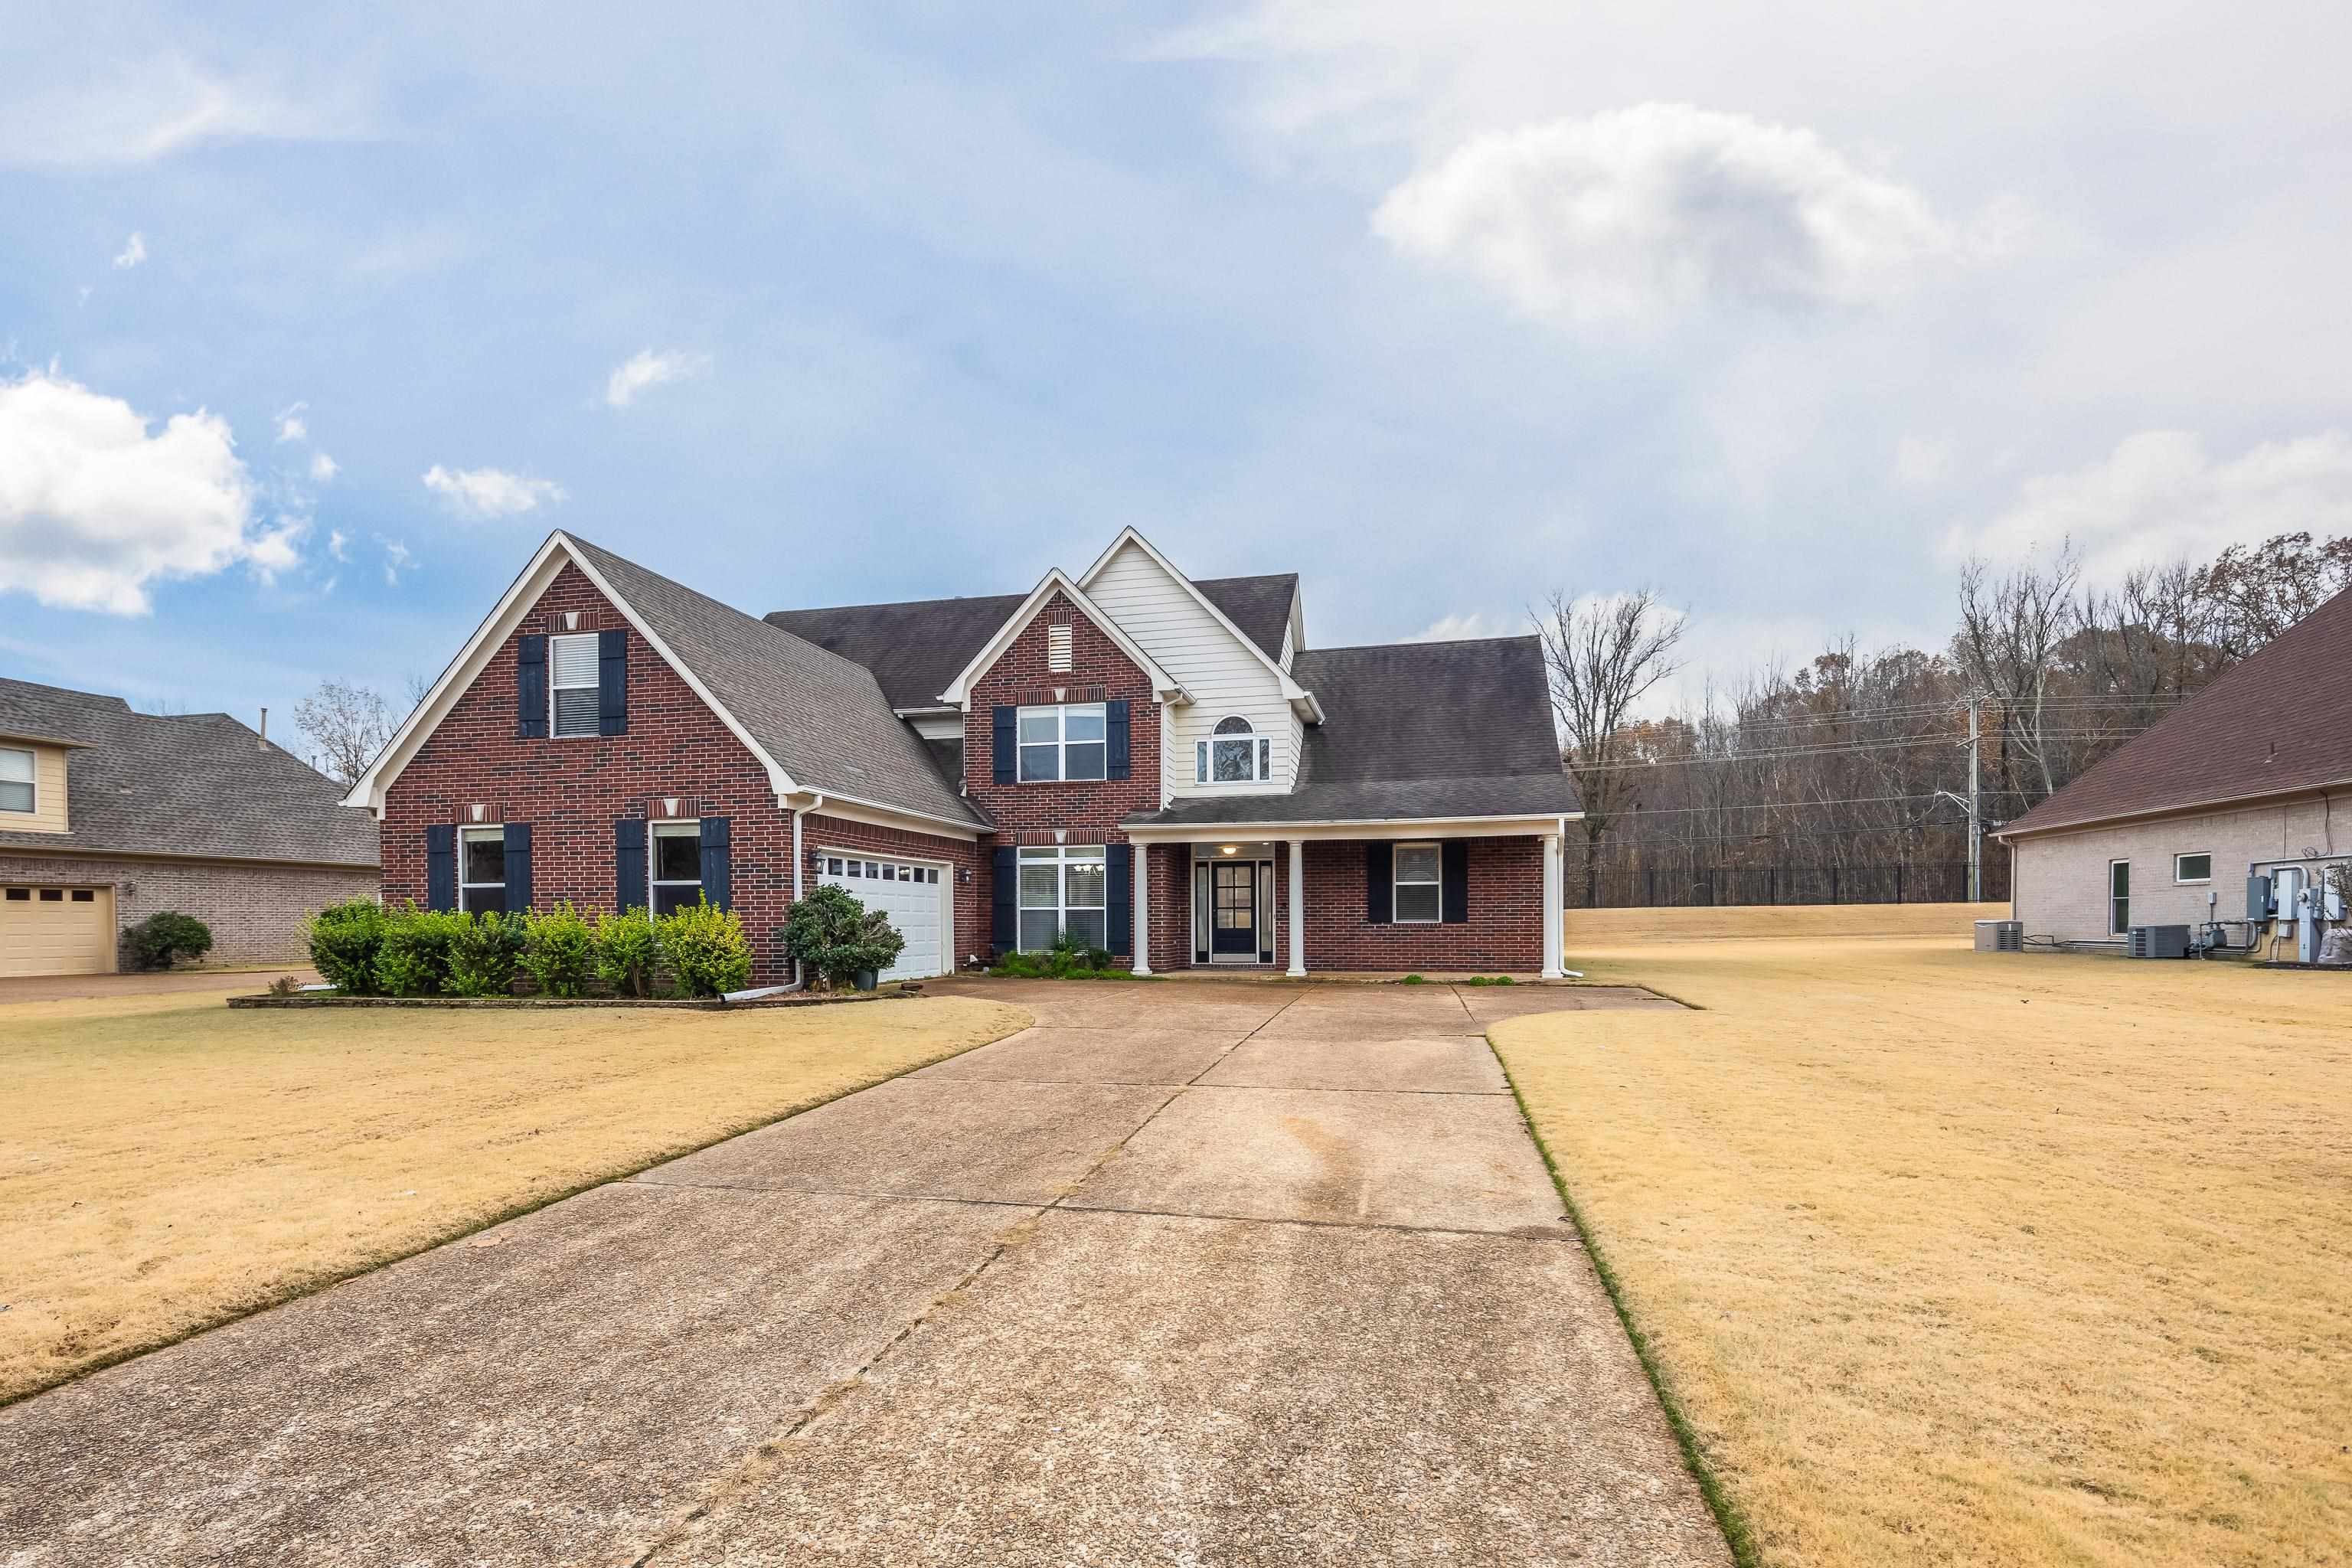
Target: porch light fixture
[(1229, 848)]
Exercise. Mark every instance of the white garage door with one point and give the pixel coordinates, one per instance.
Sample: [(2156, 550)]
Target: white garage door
[(56, 930), (913, 893)]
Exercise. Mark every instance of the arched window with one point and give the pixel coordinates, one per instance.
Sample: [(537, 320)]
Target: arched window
[(1235, 753)]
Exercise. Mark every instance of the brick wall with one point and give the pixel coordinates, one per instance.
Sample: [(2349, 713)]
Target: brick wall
[(1505, 930), (1089, 811), (255, 911), (573, 791), (2060, 886), (968, 862)]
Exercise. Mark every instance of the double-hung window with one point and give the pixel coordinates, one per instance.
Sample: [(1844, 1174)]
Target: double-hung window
[(677, 866), (1233, 754), (482, 868), (1062, 741), (15, 779), (2118, 897), (1419, 900), (1063, 888), (572, 692)]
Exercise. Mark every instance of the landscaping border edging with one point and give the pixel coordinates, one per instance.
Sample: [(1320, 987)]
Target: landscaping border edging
[(697, 1003)]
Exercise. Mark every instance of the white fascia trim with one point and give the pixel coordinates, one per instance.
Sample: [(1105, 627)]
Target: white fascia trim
[(1292, 691), (959, 692), (460, 673), (1336, 827), (874, 813)]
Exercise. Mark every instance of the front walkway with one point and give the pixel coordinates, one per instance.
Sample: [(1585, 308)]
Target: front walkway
[(1184, 1274)]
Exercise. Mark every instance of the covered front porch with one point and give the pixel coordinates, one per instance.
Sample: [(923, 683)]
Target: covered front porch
[(1403, 896)]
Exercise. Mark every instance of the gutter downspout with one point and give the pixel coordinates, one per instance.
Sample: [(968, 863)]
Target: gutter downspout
[(800, 872)]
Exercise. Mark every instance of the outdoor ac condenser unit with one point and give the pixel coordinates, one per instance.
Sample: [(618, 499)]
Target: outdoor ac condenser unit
[(2157, 942), (2000, 936)]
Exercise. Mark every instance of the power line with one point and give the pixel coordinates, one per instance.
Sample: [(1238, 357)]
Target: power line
[(1833, 749)]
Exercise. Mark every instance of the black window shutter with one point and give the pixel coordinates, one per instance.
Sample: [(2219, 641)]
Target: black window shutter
[(1454, 885), (531, 687), (1115, 750), (718, 885), (1003, 898), (1005, 731), (441, 866), (629, 863), (518, 866), (612, 683), (1118, 890), (1380, 883)]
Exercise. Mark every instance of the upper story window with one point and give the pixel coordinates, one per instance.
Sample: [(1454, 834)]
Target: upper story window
[(1235, 753), (1419, 882), (1063, 742), (15, 779), (482, 868), (571, 684)]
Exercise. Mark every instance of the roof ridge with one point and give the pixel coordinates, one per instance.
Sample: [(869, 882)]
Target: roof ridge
[(1423, 642)]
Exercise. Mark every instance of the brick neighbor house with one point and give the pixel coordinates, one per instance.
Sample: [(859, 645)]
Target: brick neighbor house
[(108, 816), (1154, 765)]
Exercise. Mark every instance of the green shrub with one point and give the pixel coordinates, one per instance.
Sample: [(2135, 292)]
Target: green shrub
[(1412, 980), (705, 948), (164, 938), (627, 951), (559, 950), (835, 937), (1490, 980), (1067, 960), (413, 959), (345, 940), (484, 951)]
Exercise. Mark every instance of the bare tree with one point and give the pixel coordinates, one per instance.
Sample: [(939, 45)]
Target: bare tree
[(348, 723), (2008, 642), (1604, 656)]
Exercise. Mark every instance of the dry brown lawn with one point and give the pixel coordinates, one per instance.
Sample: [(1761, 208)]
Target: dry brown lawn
[(169, 1163), (1953, 1257)]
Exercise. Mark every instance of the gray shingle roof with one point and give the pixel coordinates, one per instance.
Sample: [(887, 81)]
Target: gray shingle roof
[(195, 784), (916, 648), (824, 717), (1442, 729)]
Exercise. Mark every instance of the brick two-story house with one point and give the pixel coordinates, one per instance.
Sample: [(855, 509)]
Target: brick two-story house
[(1154, 765)]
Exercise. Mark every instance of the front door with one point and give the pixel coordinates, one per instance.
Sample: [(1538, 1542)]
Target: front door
[(1233, 932)]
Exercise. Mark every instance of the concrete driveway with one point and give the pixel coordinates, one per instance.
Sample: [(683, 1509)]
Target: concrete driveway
[(1187, 1274)]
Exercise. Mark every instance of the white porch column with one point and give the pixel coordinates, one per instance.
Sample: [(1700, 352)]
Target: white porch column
[(1297, 970), (1554, 931), (1143, 917)]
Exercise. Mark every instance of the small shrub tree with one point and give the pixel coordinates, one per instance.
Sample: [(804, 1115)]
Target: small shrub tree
[(627, 951), (558, 951), (344, 941), (835, 937), (163, 939), (414, 959), (484, 951), (705, 948)]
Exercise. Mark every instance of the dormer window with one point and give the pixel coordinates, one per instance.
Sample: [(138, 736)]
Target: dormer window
[(1235, 753), (15, 779)]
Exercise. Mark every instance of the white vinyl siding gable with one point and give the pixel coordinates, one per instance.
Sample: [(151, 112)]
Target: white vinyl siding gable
[(1225, 678)]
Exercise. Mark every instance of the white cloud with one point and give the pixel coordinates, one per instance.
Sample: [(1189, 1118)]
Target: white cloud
[(338, 544), (485, 493), (2158, 497), (397, 558), (133, 252), (154, 108), (1642, 213), (291, 426), (1460, 628), (94, 507), (646, 369), (323, 467)]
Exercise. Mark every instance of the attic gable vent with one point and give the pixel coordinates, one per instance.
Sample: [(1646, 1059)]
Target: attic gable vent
[(1057, 649)]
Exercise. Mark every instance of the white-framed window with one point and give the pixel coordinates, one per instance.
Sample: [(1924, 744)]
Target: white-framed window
[(1233, 754), (482, 868), (2118, 898), (1420, 898), (572, 674), (2192, 867), (18, 791), (1057, 649), (1062, 741), (1063, 888), (676, 877)]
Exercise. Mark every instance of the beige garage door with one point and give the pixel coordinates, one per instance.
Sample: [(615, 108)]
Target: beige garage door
[(56, 930)]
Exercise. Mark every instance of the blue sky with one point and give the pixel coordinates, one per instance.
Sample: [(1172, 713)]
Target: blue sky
[(1444, 307)]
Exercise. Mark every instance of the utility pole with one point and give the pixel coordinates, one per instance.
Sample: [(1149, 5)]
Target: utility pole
[(1976, 818)]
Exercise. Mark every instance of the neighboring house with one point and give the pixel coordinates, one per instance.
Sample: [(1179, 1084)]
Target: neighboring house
[(108, 816), (2240, 779), (1154, 765)]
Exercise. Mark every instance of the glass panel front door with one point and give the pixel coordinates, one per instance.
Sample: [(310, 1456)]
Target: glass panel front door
[(1234, 900)]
